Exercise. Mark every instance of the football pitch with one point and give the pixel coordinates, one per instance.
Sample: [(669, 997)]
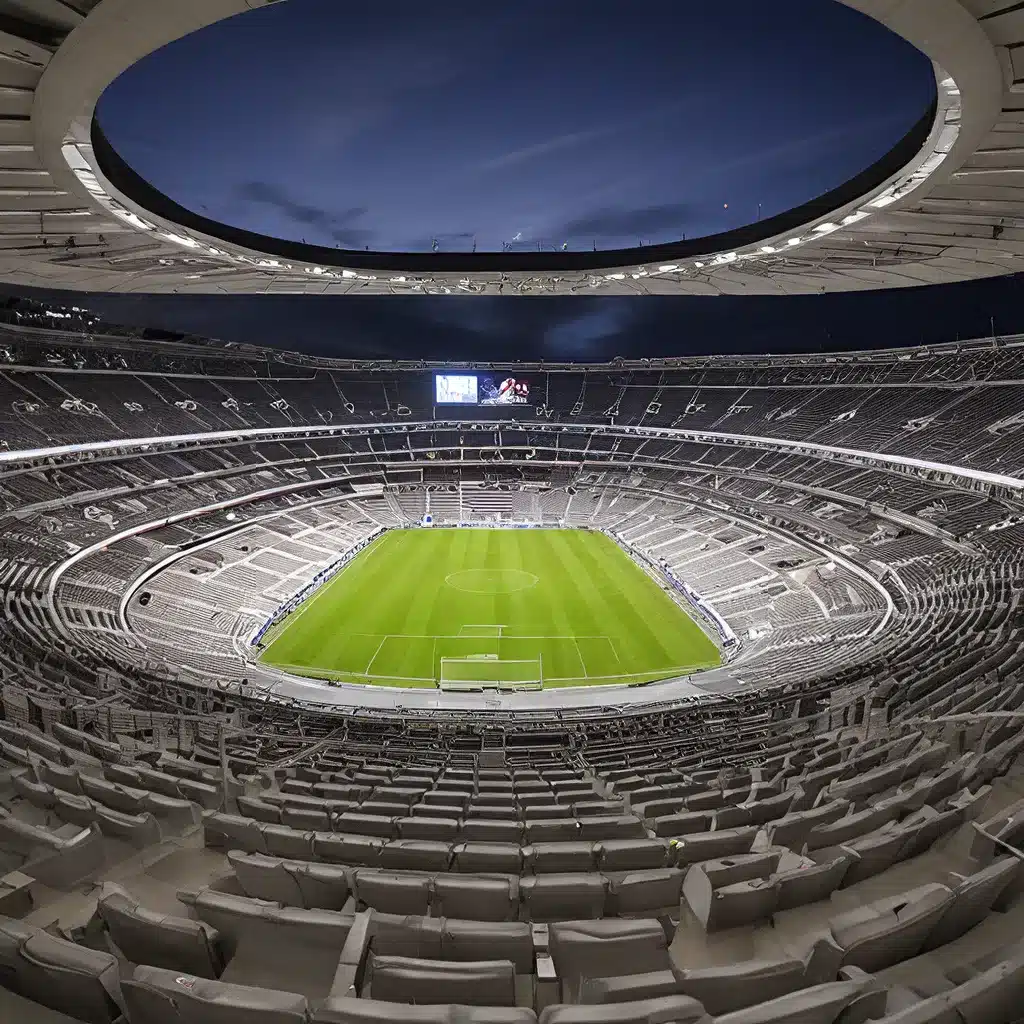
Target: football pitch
[(571, 603)]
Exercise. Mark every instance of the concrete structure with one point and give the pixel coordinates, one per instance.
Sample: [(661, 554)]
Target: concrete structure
[(944, 206)]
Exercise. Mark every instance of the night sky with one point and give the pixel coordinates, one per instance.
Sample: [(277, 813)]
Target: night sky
[(539, 123), (392, 125), (577, 329)]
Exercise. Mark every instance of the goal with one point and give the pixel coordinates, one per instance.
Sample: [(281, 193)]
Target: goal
[(488, 672)]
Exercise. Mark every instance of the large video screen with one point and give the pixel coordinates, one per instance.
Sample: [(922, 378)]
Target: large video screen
[(456, 389), (471, 389), (504, 391)]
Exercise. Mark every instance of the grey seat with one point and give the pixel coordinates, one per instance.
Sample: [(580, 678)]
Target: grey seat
[(354, 823), (393, 894), (380, 809), (56, 775), (720, 989), (359, 851), (436, 810), (403, 935), (342, 1010), (232, 831), (872, 854), (310, 819), (494, 812), (265, 878), (891, 930), (487, 940), (645, 893), (973, 898), (849, 827), (612, 826), (39, 794), (481, 857), (55, 860), (476, 897), (586, 808), (290, 948), (322, 886), (141, 830), (673, 826), (925, 826), (159, 940), (822, 1004), (557, 830), (410, 980), (708, 845), (729, 905), (78, 810), (282, 841), (630, 854), (547, 812), (79, 982), (440, 829), (792, 829), (663, 1010), (157, 996), (487, 830), (416, 854), (544, 858), (812, 882), (569, 897), (593, 949)]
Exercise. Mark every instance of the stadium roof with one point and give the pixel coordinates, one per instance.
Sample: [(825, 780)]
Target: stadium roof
[(945, 205)]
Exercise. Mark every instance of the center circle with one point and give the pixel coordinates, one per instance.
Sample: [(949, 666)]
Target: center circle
[(491, 581)]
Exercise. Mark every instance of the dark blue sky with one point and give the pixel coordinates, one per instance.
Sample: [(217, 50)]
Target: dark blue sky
[(534, 123), (577, 329)]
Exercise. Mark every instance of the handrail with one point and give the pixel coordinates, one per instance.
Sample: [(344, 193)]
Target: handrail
[(1019, 854)]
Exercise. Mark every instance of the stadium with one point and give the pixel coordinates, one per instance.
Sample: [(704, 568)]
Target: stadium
[(657, 690)]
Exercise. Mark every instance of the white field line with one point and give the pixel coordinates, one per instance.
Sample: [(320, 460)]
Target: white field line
[(342, 676), (375, 653), (579, 654), (615, 652)]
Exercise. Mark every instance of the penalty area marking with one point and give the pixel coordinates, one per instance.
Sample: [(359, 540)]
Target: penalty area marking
[(384, 640), (579, 654), (495, 628)]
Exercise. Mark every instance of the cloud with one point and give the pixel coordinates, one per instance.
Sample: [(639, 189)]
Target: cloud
[(553, 145), (570, 140), (640, 222), (337, 225)]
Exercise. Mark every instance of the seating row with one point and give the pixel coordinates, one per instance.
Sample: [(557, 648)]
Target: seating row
[(269, 806), (484, 896), (51, 791), (82, 982), (225, 831), (440, 821), (744, 888)]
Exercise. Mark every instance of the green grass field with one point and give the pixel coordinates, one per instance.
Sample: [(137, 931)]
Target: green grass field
[(572, 598)]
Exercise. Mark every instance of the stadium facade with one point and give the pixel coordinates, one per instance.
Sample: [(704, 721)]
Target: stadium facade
[(826, 827), (943, 206)]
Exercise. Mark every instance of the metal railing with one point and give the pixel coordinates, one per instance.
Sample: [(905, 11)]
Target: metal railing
[(1002, 843)]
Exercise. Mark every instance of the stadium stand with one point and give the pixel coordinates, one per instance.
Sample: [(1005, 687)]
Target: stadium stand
[(825, 829)]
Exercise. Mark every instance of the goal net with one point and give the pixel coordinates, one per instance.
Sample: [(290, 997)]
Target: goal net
[(487, 672)]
